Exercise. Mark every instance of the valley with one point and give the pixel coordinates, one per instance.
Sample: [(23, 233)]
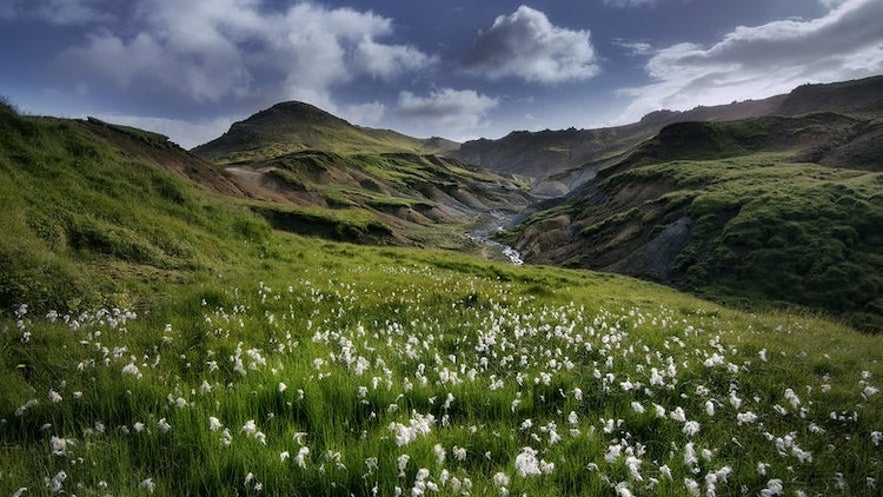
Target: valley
[(307, 307)]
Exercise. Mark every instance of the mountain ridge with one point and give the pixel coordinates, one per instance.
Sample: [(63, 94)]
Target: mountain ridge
[(545, 154)]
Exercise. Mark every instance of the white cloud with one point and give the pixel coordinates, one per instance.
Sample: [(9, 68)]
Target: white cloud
[(526, 45), (209, 50), (634, 47), (447, 112), (389, 61), (368, 114), (187, 134), (752, 62), (60, 12), (629, 3)]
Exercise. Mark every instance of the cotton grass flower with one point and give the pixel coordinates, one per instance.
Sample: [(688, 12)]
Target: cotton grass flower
[(691, 428), (526, 463), (214, 424)]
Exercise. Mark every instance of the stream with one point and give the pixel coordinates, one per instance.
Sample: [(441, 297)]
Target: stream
[(486, 226)]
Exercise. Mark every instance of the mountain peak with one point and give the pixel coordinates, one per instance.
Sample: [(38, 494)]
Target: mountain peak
[(302, 112)]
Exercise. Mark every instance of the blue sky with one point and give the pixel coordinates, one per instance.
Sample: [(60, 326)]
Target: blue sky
[(455, 68)]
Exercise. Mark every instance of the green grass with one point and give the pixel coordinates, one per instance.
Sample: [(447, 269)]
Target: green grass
[(404, 328), (175, 307)]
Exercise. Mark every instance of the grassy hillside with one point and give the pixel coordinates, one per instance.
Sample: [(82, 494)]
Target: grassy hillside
[(158, 339), (295, 126), (757, 230), (95, 214)]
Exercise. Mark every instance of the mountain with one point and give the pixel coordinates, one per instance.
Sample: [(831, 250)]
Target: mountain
[(771, 210), (543, 154), (295, 126), (314, 159), (568, 157)]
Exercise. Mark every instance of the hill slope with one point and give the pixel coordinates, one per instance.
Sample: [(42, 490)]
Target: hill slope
[(730, 211), (426, 200), (295, 126)]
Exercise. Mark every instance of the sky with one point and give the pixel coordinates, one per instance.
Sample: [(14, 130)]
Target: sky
[(460, 69)]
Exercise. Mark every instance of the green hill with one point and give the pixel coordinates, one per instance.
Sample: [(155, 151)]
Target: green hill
[(160, 338), (295, 126), (87, 205), (766, 211)]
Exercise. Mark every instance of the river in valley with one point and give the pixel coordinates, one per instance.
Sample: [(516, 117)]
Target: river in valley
[(484, 229)]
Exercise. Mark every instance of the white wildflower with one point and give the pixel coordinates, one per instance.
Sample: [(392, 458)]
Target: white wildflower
[(500, 479), (57, 482), (691, 428), (459, 453), (131, 369), (692, 486), (148, 485), (163, 425), (214, 424), (54, 397), (439, 451), (249, 428), (301, 457), (634, 466), (572, 418), (746, 417), (773, 487), (678, 415), (526, 462), (402, 462), (59, 445)]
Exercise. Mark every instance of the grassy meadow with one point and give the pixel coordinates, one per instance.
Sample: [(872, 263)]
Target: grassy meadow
[(157, 339), (332, 369)]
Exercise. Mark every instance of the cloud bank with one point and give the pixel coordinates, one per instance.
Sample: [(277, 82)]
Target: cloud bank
[(457, 112), (526, 45), (748, 62), (209, 50)]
